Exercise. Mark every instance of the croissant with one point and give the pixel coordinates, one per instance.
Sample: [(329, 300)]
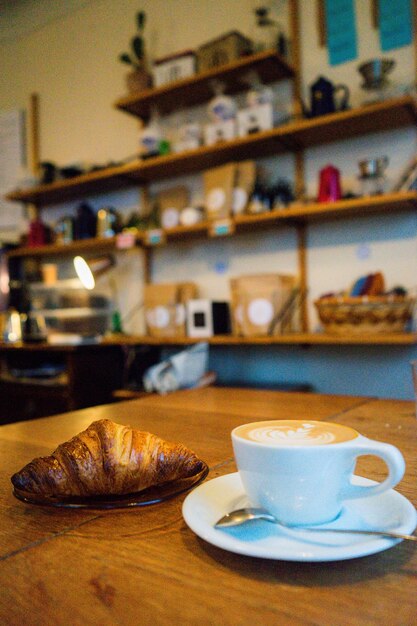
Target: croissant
[(107, 459)]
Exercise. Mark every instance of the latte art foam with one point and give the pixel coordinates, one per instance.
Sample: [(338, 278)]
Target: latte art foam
[(304, 434), (296, 433)]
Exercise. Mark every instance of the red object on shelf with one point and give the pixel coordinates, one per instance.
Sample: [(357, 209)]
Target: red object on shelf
[(329, 187), (37, 234)]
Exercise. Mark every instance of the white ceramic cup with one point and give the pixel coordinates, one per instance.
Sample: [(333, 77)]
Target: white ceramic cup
[(300, 470)]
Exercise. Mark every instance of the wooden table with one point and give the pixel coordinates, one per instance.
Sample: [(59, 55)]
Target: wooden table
[(145, 566)]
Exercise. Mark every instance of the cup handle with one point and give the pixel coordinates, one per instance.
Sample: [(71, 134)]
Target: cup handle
[(393, 459)]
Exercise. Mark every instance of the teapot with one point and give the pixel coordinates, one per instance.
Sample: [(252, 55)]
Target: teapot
[(322, 96)]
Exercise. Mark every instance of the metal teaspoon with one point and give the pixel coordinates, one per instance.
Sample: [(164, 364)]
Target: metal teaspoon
[(241, 516)]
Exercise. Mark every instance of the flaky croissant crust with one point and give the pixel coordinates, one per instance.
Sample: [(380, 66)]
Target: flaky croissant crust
[(107, 459)]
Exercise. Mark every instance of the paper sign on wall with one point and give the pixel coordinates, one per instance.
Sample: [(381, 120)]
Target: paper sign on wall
[(341, 31), (395, 24), (12, 158)]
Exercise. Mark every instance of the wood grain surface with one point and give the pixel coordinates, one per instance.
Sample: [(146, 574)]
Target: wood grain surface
[(145, 566)]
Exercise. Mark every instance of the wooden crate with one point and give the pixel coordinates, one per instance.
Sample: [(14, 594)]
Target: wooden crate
[(222, 50)]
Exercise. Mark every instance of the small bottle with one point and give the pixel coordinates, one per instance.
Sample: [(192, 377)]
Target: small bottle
[(259, 201), (151, 137), (116, 322)]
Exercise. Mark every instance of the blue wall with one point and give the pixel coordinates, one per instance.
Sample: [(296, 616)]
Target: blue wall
[(349, 370)]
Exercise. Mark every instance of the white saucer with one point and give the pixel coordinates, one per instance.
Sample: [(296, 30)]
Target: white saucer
[(213, 499)]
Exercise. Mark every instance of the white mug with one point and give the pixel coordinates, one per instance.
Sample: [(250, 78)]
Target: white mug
[(300, 470)]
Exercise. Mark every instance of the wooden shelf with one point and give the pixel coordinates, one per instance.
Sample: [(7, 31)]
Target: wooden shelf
[(288, 137), (296, 135), (58, 382), (303, 213), (400, 201), (372, 118), (259, 145), (405, 339), (101, 181), (36, 347), (75, 247), (291, 339), (269, 66)]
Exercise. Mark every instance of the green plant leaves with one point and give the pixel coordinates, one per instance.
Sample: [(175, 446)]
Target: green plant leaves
[(125, 58), (140, 20), (138, 47)]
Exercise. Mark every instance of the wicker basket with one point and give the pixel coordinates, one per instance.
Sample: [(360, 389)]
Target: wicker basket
[(365, 314)]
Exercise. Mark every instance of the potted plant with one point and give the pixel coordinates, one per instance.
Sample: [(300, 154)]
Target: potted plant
[(138, 78)]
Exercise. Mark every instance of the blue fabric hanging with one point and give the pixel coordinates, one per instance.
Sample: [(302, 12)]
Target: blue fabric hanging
[(395, 24), (341, 31)]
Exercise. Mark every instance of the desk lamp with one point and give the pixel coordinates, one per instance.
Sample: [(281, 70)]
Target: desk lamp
[(88, 271)]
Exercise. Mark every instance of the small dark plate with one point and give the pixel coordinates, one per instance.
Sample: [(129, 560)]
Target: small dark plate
[(152, 495)]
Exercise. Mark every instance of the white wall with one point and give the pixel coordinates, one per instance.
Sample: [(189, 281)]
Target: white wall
[(71, 62)]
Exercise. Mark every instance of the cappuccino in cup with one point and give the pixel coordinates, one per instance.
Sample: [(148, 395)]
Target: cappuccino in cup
[(296, 433), (301, 470)]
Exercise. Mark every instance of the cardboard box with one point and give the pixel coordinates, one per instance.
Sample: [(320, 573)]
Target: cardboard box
[(217, 132), (170, 203), (257, 301), (174, 67), (218, 191), (222, 50), (255, 119), (164, 305)]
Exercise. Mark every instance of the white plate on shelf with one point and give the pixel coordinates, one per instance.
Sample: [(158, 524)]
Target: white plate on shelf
[(213, 499)]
